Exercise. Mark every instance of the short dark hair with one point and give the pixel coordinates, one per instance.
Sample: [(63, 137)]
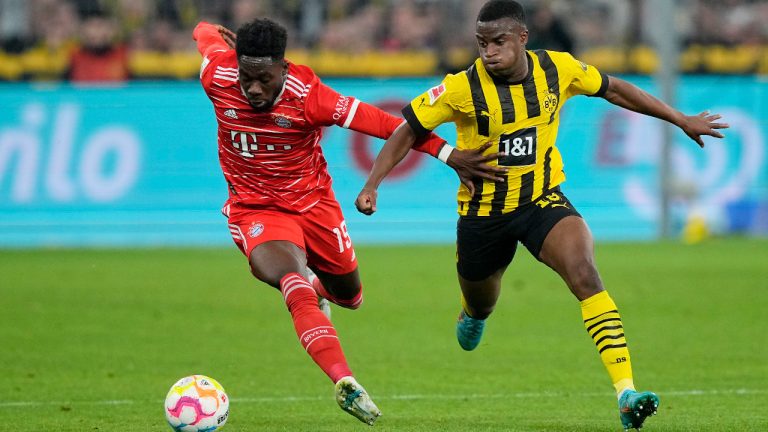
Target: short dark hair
[(261, 38), (497, 9)]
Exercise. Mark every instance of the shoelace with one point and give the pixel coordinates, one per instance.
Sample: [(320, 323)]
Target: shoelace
[(350, 399), (472, 327)]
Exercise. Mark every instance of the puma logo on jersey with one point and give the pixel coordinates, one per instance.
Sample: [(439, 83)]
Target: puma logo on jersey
[(230, 113)]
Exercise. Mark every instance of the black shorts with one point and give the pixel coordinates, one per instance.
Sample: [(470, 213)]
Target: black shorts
[(485, 244)]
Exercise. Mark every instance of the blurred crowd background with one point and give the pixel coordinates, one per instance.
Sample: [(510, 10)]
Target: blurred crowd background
[(115, 40)]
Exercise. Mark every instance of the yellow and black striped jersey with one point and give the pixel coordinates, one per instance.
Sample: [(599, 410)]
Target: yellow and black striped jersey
[(520, 117)]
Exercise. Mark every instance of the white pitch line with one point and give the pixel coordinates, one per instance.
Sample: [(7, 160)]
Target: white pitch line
[(523, 395)]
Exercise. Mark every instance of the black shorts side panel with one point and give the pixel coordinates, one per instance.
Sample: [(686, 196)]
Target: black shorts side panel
[(483, 246)]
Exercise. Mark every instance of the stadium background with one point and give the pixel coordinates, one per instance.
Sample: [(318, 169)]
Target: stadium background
[(118, 276), (106, 138)]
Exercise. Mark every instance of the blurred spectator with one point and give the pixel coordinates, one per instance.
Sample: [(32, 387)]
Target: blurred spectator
[(547, 31), (413, 25), (14, 25), (729, 22), (357, 32), (99, 56), (243, 11), (54, 25)]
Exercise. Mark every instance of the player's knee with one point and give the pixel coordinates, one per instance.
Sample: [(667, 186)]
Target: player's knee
[(351, 298), (584, 279), (357, 300), (271, 277)]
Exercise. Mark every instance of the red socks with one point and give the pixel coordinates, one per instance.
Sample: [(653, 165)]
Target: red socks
[(352, 303), (315, 331)]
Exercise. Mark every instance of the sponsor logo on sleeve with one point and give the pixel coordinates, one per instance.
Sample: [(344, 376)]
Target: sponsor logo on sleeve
[(435, 93), (342, 105)]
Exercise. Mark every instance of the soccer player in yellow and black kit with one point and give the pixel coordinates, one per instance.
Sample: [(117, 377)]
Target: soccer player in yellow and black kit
[(506, 108)]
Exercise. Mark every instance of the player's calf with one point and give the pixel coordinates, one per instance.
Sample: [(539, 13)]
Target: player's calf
[(351, 303)]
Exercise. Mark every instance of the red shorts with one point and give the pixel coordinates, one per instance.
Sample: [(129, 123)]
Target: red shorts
[(321, 232)]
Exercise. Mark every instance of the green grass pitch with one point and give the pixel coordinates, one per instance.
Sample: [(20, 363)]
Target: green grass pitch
[(92, 340)]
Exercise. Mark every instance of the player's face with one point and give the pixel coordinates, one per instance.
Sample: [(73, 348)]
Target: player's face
[(261, 81), (502, 45)]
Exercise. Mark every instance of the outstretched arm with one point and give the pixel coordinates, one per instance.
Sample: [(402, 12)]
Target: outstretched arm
[(212, 37), (628, 96), (467, 164)]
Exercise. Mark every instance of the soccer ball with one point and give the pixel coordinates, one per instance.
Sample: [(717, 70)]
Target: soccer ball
[(196, 403)]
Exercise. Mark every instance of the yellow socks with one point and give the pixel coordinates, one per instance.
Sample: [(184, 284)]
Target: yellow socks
[(603, 323)]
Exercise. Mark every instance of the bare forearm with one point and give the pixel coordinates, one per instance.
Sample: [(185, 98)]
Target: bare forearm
[(626, 95), (394, 151)]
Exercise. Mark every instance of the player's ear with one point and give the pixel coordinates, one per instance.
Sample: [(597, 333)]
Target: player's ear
[(523, 36), (285, 67)]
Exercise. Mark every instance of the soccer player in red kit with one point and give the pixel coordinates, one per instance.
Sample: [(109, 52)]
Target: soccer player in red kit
[(281, 210)]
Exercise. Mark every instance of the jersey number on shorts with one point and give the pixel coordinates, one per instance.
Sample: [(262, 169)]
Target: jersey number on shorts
[(519, 148), (343, 236)]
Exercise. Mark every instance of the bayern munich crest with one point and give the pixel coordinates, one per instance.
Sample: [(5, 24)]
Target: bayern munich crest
[(283, 122), (255, 229)]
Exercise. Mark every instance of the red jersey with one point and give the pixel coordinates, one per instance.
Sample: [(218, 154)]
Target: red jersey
[(273, 160)]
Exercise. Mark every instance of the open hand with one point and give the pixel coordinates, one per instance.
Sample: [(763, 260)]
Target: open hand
[(471, 164), (366, 201), (229, 36), (702, 124)]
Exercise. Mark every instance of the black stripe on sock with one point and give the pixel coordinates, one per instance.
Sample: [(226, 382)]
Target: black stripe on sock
[(618, 336), (598, 316), (611, 346), (602, 321), (594, 335)]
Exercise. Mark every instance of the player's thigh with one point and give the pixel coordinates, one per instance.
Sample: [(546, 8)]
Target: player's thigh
[(271, 261), (272, 241), (483, 246), (328, 243), (565, 244), (539, 235)]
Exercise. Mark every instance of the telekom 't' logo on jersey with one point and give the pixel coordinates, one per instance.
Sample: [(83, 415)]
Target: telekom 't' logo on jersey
[(246, 144)]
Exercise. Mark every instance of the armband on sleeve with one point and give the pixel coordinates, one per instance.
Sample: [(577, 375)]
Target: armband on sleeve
[(445, 152)]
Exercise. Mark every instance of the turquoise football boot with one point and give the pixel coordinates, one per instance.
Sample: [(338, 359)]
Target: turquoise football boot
[(635, 407), (469, 331)]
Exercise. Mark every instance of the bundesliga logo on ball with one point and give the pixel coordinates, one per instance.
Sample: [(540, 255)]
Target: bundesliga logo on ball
[(196, 403)]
